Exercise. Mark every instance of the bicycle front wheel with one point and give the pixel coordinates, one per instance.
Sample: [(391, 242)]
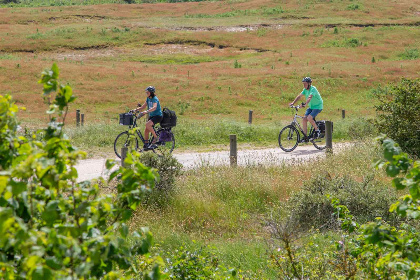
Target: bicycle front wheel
[(165, 147), (124, 140), (288, 138)]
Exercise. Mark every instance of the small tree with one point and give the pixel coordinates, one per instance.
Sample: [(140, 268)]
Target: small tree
[(383, 251), (52, 227), (399, 114)]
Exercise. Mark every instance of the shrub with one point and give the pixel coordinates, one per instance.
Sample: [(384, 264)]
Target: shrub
[(399, 114), (410, 54), (52, 227), (197, 264), (383, 251), (367, 200), (168, 169)]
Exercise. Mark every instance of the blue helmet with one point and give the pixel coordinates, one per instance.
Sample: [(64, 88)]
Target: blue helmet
[(151, 89), (307, 79)]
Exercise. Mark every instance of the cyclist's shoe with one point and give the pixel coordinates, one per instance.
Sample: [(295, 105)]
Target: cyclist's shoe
[(152, 146), (316, 135), (304, 140)]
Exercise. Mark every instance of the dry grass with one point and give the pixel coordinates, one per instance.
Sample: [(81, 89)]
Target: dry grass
[(109, 53)]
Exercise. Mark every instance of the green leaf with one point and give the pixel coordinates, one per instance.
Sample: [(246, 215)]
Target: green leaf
[(42, 273), (55, 71), (124, 230), (392, 170), (50, 213), (53, 262), (109, 163), (397, 183)]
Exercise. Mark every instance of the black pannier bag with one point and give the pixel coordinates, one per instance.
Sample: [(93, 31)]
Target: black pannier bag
[(169, 118), (126, 119), (321, 126)]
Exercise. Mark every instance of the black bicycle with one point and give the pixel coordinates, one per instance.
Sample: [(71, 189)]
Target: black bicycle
[(291, 135), (130, 138)]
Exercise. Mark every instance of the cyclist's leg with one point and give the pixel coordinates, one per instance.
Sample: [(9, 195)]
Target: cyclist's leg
[(305, 121), (311, 119), (152, 121)]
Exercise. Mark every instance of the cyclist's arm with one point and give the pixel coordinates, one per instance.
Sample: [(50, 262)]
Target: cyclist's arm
[(141, 107), (151, 109), (296, 99)]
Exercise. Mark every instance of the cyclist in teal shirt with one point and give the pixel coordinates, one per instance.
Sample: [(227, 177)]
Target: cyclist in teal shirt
[(155, 114), (314, 102)]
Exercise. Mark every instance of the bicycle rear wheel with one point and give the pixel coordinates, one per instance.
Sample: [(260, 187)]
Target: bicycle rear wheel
[(166, 147), (288, 138), (320, 143), (124, 140)]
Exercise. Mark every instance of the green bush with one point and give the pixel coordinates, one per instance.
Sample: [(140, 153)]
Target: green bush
[(168, 169), (367, 200), (197, 264), (399, 114), (354, 128), (51, 226)]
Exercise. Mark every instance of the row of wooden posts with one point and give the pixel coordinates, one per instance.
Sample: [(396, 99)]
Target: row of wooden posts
[(80, 118)]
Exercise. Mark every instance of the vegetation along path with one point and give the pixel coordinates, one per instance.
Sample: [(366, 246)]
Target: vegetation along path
[(94, 168)]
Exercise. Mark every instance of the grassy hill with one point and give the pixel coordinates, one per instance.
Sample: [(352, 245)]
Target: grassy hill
[(210, 58)]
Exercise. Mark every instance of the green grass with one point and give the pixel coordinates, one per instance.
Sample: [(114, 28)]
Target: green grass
[(192, 133), (226, 209)]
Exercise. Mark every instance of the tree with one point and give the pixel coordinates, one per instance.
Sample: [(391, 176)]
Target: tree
[(52, 227), (399, 114)]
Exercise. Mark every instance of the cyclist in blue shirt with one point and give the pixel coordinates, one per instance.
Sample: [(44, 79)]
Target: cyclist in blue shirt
[(155, 114)]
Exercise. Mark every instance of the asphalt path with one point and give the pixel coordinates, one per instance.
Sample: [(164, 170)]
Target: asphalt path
[(94, 168)]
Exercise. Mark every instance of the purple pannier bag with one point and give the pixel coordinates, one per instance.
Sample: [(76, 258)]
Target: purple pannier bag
[(165, 136)]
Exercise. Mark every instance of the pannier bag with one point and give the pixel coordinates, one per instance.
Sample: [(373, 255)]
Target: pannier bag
[(126, 119), (169, 118), (165, 136), (321, 126)]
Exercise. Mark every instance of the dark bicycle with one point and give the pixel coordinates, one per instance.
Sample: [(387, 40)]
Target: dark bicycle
[(130, 138), (291, 135)]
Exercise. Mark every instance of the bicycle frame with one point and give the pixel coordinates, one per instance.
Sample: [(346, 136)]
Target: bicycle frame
[(139, 134), (295, 123)]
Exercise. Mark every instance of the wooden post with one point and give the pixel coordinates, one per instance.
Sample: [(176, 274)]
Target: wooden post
[(77, 117), (328, 136), (250, 117), (233, 150), (124, 151), (83, 119), (343, 113)]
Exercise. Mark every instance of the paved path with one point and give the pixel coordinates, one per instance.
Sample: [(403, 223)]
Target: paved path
[(94, 168)]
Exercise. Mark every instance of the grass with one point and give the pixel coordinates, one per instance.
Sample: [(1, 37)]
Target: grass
[(210, 134), (225, 209)]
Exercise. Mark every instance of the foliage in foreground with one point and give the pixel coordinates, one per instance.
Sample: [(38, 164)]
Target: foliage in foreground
[(374, 250), (399, 114), (52, 227), (366, 200)]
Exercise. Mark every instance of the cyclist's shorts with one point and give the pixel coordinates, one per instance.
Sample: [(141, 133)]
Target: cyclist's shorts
[(312, 112), (156, 119)]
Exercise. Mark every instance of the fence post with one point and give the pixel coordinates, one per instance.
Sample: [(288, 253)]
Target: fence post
[(250, 117), (83, 119), (343, 113), (77, 117), (328, 136), (233, 150), (124, 151)]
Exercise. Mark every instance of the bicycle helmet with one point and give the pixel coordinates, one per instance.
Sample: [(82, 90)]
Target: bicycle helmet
[(151, 89), (307, 79)]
